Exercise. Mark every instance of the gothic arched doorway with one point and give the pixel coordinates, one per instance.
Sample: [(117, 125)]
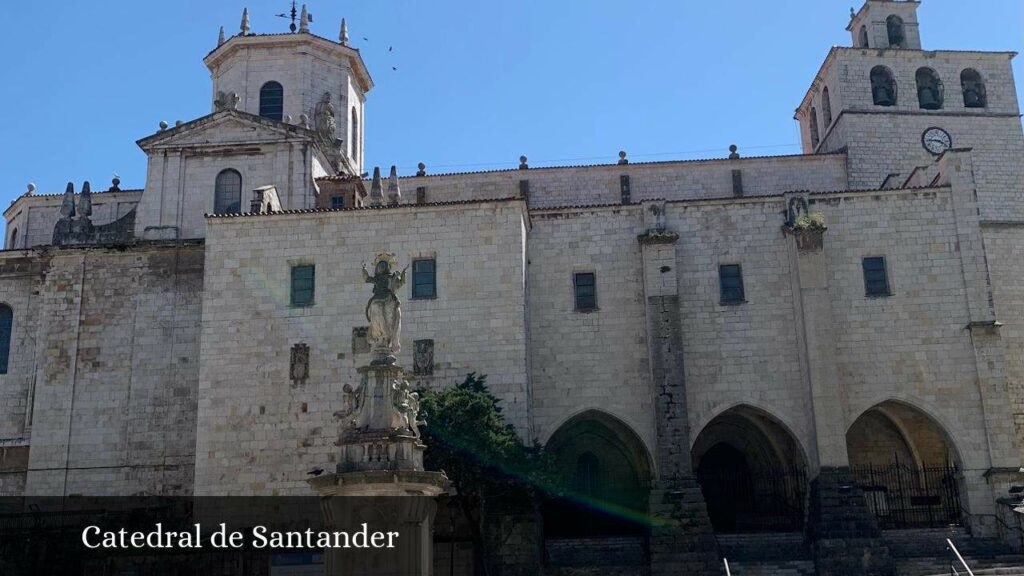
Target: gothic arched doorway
[(604, 475), (906, 465), (752, 473)]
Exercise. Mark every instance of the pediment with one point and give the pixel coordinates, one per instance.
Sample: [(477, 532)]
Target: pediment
[(225, 127)]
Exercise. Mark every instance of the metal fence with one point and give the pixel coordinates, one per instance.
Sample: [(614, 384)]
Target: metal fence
[(902, 496)]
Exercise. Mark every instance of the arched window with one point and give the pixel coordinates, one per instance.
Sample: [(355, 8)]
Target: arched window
[(883, 86), (6, 323), (864, 37), (272, 101), (588, 473), (227, 197), (897, 34), (974, 89), (14, 238), (929, 89), (355, 135), (826, 107), (815, 139)]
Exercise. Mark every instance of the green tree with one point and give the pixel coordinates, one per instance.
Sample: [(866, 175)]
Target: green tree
[(468, 438)]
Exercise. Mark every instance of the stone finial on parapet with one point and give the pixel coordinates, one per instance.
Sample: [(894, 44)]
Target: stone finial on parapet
[(115, 184), (31, 189), (85, 201), (421, 169), (376, 189), (733, 152), (394, 192), (343, 35), (67, 205), (304, 20), (522, 163), (244, 28), (622, 157), (220, 37)]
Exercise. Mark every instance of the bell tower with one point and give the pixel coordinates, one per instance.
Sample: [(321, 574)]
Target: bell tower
[(298, 78), (885, 24), (894, 108)]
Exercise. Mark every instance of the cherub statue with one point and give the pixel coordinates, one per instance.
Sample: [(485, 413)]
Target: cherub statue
[(383, 311)]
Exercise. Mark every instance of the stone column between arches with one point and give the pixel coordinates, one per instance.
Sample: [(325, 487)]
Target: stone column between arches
[(682, 540), (843, 533)]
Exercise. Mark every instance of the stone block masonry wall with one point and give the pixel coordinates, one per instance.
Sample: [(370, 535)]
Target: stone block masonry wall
[(738, 353), (20, 278), (911, 346), (117, 348), (684, 180), (1004, 247), (259, 432), (35, 216), (588, 360)]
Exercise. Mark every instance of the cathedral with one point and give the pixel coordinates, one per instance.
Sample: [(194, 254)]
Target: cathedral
[(811, 362)]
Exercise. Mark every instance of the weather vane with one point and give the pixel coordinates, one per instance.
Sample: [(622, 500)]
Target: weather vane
[(293, 15)]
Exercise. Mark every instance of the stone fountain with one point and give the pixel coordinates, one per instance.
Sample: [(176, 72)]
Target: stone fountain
[(380, 478)]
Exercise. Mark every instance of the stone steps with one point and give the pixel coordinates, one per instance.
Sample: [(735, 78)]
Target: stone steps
[(771, 568), (923, 552), (763, 546)]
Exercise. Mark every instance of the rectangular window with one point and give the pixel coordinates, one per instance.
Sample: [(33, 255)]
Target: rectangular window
[(585, 286), (424, 278), (730, 284), (337, 202), (303, 284), (876, 281)]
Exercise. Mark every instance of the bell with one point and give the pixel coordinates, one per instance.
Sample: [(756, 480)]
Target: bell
[(927, 98), (882, 96), (973, 99)]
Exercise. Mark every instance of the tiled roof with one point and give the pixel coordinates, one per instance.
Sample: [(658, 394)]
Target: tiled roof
[(625, 166), (362, 208)]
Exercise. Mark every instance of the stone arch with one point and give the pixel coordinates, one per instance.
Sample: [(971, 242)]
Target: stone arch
[(815, 135), (14, 238), (973, 86), (272, 100), (826, 108), (227, 192), (863, 37), (883, 86), (605, 474), (926, 440), (896, 31), (907, 464), (355, 135), (930, 94), (752, 470)]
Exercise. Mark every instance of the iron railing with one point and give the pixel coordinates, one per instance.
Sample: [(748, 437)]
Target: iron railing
[(902, 496)]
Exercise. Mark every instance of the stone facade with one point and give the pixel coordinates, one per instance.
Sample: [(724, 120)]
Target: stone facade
[(177, 361)]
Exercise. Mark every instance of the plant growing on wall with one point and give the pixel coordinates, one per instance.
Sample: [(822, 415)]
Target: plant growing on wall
[(807, 222)]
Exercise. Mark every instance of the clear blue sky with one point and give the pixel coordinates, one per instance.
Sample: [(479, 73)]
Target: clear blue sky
[(478, 83)]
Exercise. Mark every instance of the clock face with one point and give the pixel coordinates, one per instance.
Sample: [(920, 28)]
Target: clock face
[(936, 140)]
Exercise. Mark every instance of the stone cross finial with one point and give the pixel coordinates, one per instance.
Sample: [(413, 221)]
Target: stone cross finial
[(343, 35), (304, 20), (67, 205), (245, 22), (220, 37), (394, 192), (376, 189)]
